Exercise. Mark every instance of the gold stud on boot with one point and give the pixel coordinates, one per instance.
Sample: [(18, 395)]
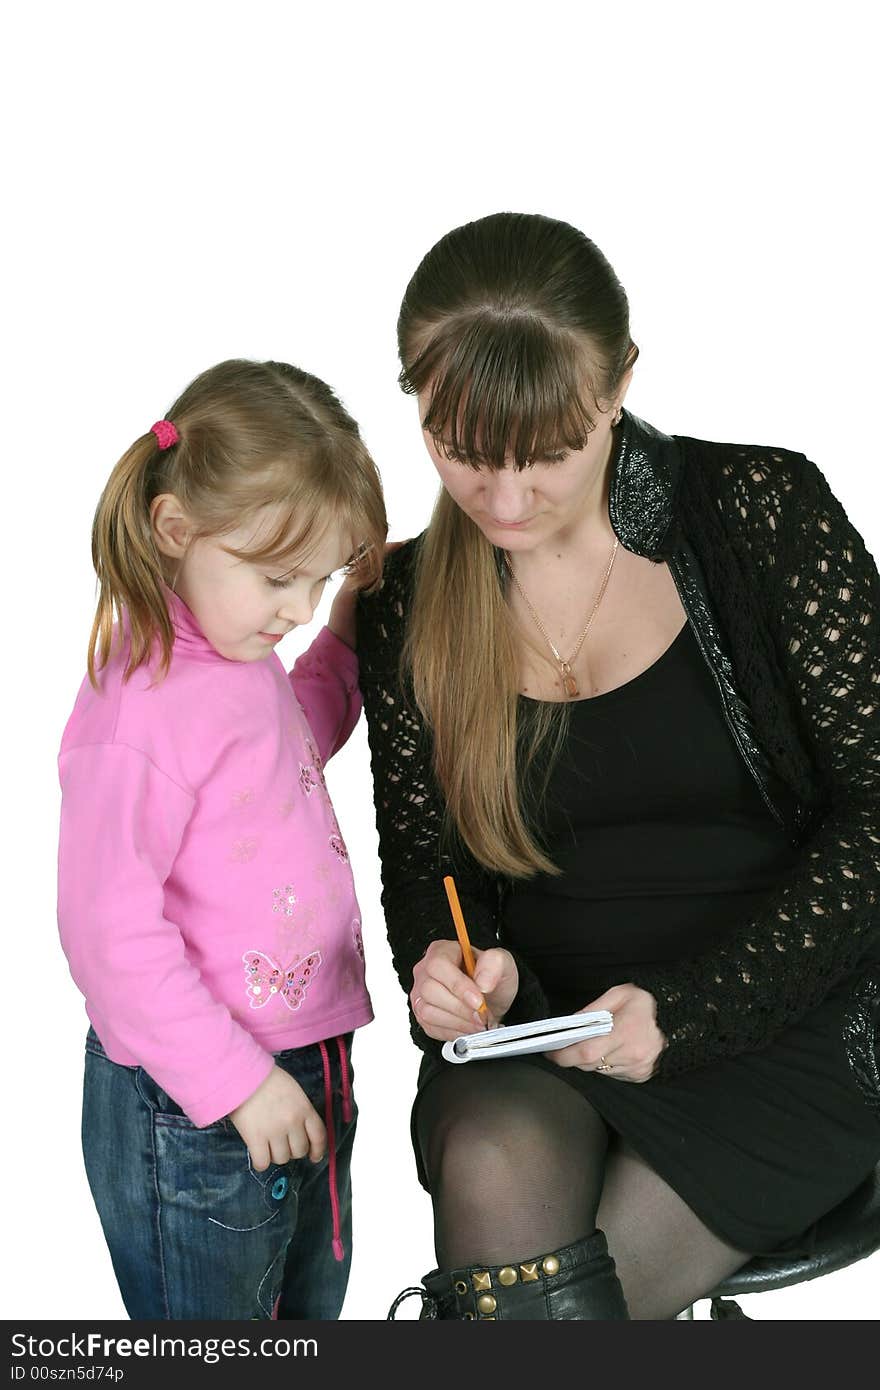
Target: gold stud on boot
[(575, 1283)]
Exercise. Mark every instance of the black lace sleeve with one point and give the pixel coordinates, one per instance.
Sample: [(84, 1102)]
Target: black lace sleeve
[(819, 594), (410, 809)]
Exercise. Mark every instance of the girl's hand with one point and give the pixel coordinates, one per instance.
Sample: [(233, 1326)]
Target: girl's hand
[(445, 1001), (631, 1051), (343, 616), (342, 620), (278, 1122)]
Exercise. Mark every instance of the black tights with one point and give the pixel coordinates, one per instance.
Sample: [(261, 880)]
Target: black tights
[(519, 1163)]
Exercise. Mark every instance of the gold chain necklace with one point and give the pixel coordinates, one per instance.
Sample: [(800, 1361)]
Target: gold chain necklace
[(569, 684)]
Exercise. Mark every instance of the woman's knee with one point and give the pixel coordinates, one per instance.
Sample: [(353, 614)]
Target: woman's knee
[(524, 1131)]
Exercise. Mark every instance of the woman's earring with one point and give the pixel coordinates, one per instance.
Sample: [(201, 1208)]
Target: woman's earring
[(619, 416)]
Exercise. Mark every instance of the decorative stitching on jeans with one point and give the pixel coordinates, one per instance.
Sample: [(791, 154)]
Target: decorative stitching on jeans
[(165, 1301), (267, 1308), (262, 1186), (243, 1229)]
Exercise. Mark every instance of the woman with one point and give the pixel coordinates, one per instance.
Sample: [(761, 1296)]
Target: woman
[(623, 689)]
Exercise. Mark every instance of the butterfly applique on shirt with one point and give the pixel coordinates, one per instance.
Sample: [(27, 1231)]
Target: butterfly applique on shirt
[(265, 979)]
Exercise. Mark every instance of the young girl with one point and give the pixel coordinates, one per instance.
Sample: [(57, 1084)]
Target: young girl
[(206, 903)]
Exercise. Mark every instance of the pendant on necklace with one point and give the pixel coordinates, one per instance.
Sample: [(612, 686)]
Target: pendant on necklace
[(569, 684)]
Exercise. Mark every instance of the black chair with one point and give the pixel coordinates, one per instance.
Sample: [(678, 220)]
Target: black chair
[(849, 1233)]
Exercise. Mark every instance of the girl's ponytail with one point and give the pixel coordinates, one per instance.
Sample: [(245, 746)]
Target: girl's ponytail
[(127, 563)]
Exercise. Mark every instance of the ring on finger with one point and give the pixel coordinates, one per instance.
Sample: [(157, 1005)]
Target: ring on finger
[(604, 1066)]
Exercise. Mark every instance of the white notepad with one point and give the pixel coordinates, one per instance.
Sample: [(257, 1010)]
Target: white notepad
[(516, 1039)]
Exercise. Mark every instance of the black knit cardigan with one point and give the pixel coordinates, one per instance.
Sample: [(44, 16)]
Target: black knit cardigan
[(795, 594)]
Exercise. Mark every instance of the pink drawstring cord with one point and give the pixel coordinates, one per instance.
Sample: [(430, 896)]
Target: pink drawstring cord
[(338, 1250), (346, 1083)]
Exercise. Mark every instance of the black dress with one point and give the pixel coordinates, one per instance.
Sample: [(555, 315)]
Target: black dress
[(665, 844)]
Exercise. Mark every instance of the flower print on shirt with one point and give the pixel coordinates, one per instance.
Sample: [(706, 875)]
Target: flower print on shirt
[(311, 776), (266, 980), (294, 925), (357, 937), (317, 761), (337, 844), (244, 850), (284, 900), (333, 884), (308, 778), (351, 975), (350, 979)]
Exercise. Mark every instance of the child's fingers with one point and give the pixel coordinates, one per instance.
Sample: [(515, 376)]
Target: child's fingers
[(281, 1148), (317, 1136), (292, 1144), (260, 1155)]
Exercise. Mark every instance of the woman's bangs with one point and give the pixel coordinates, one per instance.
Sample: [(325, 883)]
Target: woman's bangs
[(505, 389)]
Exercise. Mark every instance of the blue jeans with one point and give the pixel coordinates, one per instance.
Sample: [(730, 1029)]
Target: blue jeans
[(193, 1230)]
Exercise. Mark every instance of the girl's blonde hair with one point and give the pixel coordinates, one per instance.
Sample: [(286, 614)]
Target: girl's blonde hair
[(251, 435), (517, 329)]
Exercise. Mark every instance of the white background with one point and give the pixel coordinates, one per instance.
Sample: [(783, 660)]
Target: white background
[(190, 181)]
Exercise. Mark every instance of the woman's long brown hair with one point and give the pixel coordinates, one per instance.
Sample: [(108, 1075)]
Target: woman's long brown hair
[(517, 329), (251, 435)]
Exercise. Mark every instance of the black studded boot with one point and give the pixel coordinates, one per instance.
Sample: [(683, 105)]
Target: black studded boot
[(576, 1283)]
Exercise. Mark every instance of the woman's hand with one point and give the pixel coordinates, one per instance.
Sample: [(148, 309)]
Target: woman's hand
[(343, 618), (631, 1050), (278, 1122), (445, 1000)]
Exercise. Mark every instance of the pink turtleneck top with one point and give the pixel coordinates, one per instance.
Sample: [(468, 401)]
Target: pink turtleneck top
[(206, 903)]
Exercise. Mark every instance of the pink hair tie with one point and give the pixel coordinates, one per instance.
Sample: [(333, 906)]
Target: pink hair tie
[(166, 433)]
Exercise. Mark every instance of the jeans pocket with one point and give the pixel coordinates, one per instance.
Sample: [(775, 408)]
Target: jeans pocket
[(209, 1167), (93, 1044), (166, 1110)]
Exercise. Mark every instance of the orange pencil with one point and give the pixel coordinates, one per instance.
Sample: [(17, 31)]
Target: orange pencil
[(461, 933)]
